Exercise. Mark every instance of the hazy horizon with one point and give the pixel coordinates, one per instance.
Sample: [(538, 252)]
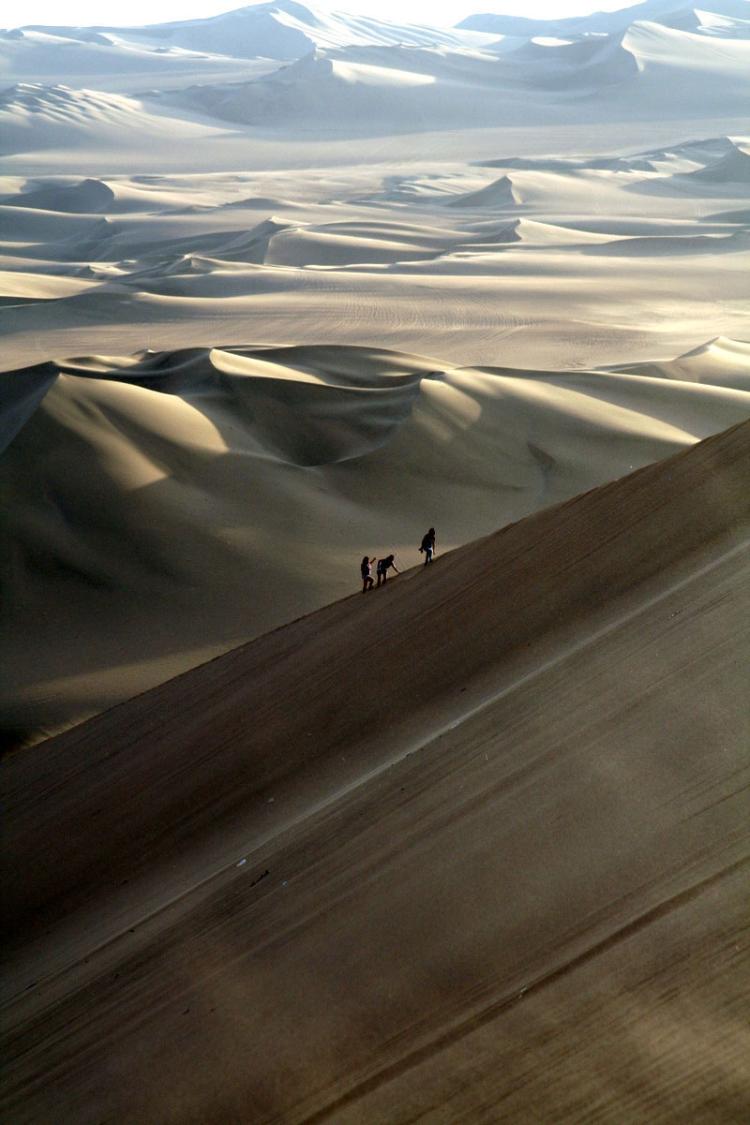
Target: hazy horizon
[(18, 13)]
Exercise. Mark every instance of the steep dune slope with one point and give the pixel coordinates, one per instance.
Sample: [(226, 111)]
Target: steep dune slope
[(473, 847), (163, 506)]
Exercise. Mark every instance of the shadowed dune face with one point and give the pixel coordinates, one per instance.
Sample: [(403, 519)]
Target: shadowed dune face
[(87, 197), (408, 866), (163, 506)]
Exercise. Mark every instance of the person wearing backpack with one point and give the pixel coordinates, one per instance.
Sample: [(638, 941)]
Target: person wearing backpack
[(384, 565), (366, 570), (428, 546)]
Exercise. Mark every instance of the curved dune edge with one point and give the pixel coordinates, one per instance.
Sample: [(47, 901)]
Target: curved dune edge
[(413, 842), (167, 505)]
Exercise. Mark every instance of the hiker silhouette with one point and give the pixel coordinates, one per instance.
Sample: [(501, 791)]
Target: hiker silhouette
[(428, 545), (366, 571), (384, 565)]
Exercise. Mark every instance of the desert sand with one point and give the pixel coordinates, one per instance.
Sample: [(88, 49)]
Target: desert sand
[(473, 847), (328, 280), (281, 288)]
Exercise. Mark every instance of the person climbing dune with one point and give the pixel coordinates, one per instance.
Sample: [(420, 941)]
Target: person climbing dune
[(384, 565), (428, 545), (366, 570)]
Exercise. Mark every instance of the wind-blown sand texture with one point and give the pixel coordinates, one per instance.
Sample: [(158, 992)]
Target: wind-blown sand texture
[(282, 287), (473, 848)]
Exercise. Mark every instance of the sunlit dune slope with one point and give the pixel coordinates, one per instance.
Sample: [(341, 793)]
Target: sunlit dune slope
[(163, 507), (472, 847)]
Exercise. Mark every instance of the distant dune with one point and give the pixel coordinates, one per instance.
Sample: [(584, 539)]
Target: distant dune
[(713, 15), (286, 29), (364, 89), (472, 846), (358, 76)]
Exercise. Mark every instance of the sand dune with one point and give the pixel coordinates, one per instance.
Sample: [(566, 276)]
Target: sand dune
[(710, 23), (357, 77), (569, 67), (704, 65), (22, 287), (713, 166), (667, 12), (361, 88), (146, 195), (87, 197), (279, 258), (233, 46), (285, 29), (498, 193), (733, 168), (736, 243), (483, 885), (167, 504), (722, 362), (81, 57), (280, 287), (34, 117)]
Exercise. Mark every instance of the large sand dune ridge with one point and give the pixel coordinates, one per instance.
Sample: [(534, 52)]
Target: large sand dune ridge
[(414, 843), (164, 506)]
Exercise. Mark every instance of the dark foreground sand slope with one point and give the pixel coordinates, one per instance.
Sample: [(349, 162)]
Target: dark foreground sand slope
[(473, 848)]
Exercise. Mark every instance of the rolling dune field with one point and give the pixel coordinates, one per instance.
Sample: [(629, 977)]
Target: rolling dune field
[(281, 288), (278, 368)]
